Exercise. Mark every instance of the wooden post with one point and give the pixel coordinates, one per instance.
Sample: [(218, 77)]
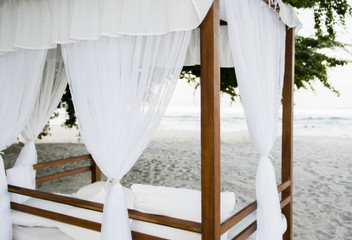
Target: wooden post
[(287, 126), (210, 123), (96, 173)]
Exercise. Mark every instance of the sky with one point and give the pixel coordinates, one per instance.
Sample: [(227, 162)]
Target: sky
[(341, 78)]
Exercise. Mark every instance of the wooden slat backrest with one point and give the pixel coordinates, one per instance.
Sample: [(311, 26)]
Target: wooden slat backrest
[(93, 168), (239, 216), (61, 162), (73, 220), (133, 214)]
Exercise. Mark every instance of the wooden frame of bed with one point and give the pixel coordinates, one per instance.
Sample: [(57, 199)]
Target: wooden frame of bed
[(211, 227)]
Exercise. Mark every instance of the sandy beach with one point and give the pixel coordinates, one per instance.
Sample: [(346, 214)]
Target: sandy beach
[(322, 174)]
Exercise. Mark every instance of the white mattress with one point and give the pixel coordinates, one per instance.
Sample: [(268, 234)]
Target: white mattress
[(37, 233)]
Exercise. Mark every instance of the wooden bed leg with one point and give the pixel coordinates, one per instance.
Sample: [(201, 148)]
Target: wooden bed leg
[(96, 173), (287, 127), (210, 123)]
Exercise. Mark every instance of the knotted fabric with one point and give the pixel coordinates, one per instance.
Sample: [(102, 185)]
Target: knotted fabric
[(257, 40), (121, 88)]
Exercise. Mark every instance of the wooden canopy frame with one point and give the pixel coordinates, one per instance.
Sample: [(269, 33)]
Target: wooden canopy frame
[(211, 226)]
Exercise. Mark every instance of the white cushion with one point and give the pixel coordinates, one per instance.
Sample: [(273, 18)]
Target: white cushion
[(24, 219), (174, 202), (90, 191), (37, 233), (77, 232)]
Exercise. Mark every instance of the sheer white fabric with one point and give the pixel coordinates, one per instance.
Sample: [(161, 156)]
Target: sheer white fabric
[(257, 39), (193, 51), (121, 88), (41, 24), (52, 87), (287, 15), (20, 75)]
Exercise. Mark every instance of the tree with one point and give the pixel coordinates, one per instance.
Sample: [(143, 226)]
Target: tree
[(312, 63)]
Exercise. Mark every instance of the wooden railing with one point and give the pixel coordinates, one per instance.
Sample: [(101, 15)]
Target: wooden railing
[(239, 216), (133, 214), (93, 168)]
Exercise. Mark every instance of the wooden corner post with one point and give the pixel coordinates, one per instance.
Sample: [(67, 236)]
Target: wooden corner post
[(210, 123), (287, 127), (95, 171)]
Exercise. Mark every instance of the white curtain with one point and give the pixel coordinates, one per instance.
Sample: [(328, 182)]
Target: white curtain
[(20, 75), (257, 39), (121, 88), (53, 84), (42, 24)]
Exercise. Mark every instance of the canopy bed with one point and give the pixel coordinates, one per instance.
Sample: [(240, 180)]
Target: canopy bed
[(122, 64)]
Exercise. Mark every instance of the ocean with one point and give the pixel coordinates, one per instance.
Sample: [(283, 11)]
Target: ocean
[(307, 122)]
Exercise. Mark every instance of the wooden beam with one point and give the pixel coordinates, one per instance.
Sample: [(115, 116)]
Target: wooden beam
[(210, 123), (253, 226), (57, 216), (75, 202), (142, 236), (285, 202), (96, 173), (61, 162), (287, 127), (246, 232), (236, 218), (63, 174), (73, 220), (80, 203), (244, 212), (166, 221)]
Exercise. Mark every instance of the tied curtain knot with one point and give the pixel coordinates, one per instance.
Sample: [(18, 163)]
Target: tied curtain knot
[(268, 212), (110, 183), (115, 214)]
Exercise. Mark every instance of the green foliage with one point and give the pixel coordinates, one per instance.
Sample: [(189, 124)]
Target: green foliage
[(46, 130), (228, 82), (327, 14), (70, 122), (311, 64), (66, 102)]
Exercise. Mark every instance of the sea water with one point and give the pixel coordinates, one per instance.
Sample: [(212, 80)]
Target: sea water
[(335, 122), (307, 122)]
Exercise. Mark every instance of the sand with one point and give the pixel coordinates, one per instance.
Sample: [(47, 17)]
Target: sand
[(322, 174)]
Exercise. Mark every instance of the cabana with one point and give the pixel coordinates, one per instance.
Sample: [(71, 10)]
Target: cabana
[(122, 60)]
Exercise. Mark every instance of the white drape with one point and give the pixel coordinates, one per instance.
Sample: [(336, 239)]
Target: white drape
[(52, 87), (42, 24), (121, 88), (257, 39), (20, 75), (193, 51)]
